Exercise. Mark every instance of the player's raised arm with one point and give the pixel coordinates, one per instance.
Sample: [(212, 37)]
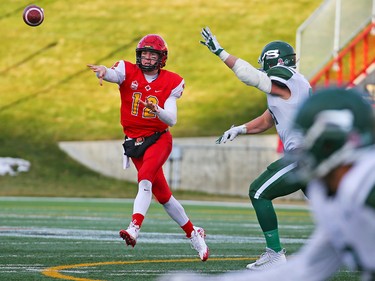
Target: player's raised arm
[(210, 41), (244, 71)]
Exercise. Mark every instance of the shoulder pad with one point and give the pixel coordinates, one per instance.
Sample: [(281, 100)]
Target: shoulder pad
[(280, 71)]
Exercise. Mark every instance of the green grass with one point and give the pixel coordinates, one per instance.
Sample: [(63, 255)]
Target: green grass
[(80, 236), (47, 94)]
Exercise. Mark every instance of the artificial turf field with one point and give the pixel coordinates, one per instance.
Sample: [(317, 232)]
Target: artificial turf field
[(77, 239)]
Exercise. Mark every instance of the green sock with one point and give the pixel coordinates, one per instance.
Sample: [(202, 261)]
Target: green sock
[(273, 240), (268, 222)]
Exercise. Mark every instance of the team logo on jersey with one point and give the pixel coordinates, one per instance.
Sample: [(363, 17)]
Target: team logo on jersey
[(134, 85), (148, 88)]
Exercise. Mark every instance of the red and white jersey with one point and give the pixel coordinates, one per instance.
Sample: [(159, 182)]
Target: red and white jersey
[(137, 120)]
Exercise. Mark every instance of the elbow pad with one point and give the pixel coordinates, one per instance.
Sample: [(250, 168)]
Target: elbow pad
[(251, 76)]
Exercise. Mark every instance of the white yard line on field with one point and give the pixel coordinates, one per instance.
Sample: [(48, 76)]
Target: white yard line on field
[(145, 237), (288, 205)]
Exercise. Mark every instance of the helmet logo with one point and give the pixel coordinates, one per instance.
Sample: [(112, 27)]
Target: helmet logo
[(280, 61), (271, 54)]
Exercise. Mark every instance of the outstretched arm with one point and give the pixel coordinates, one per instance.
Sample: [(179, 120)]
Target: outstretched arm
[(107, 74), (244, 71)]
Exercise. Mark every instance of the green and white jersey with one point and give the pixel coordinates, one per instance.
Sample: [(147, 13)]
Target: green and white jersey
[(348, 218), (344, 236), (283, 111)]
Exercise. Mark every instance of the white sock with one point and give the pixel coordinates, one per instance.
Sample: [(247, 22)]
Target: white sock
[(176, 211), (143, 199)]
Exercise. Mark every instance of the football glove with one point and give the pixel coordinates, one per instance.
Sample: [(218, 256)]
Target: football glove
[(232, 133), (210, 41)]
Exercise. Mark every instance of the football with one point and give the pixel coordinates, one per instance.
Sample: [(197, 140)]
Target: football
[(33, 15)]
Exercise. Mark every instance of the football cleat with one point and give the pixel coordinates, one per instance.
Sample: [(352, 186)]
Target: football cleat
[(198, 243), (130, 235), (268, 259)]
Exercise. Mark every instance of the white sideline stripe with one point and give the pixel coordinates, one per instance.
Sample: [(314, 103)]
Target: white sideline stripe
[(128, 200), (36, 218), (145, 237)]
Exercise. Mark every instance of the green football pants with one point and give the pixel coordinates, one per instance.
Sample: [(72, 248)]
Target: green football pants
[(275, 181), (272, 183)]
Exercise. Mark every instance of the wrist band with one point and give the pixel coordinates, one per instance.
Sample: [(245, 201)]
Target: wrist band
[(223, 55), (243, 129)]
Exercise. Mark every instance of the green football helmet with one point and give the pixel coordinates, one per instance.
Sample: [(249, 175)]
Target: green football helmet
[(337, 125), (277, 53)]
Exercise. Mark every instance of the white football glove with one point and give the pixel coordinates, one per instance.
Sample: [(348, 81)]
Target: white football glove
[(232, 133), (210, 41)]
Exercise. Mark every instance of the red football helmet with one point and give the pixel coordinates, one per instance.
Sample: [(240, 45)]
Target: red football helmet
[(152, 43)]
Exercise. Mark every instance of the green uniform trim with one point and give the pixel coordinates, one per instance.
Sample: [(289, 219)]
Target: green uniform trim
[(370, 201), (282, 72)]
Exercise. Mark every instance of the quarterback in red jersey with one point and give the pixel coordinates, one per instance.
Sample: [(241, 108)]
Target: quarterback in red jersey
[(148, 108)]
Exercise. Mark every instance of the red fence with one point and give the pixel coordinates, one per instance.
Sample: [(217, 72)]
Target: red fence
[(352, 62)]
